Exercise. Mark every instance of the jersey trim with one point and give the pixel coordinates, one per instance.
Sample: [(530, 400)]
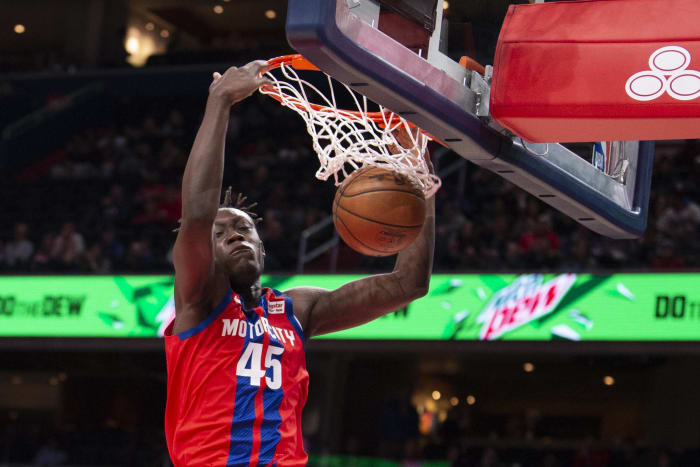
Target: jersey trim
[(209, 319), (289, 310)]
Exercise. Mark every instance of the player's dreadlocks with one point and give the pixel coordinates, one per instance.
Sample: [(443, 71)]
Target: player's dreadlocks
[(240, 199), (238, 204)]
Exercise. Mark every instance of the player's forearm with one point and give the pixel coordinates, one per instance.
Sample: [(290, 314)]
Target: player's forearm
[(415, 264), (201, 183)]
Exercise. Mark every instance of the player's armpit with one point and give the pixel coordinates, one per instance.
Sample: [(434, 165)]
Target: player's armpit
[(303, 300)]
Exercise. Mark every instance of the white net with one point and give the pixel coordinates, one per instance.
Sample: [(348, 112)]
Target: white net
[(346, 140)]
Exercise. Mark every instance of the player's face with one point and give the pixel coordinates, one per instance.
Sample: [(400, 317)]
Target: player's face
[(238, 249)]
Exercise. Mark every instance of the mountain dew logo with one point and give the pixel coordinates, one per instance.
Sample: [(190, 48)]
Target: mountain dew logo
[(528, 298)]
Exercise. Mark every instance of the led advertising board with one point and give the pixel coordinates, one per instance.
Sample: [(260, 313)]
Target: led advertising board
[(528, 307)]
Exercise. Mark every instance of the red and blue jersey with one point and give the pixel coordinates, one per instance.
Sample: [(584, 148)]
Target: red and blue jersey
[(237, 384)]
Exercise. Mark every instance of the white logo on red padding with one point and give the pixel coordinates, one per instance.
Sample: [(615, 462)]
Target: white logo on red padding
[(667, 73)]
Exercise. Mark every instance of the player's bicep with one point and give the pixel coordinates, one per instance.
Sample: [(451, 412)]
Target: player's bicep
[(350, 305), (193, 258)]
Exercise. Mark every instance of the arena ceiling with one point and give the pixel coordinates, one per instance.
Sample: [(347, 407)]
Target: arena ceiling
[(47, 20), (198, 16)]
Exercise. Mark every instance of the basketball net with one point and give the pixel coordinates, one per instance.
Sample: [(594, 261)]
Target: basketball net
[(346, 140)]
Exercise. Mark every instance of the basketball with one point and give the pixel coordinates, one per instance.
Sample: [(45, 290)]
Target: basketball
[(378, 212)]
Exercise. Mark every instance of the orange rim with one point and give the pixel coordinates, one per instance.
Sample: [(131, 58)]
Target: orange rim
[(298, 62)]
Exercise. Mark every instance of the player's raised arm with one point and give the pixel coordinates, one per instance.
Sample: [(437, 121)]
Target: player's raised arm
[(201, 188), (321, 311)]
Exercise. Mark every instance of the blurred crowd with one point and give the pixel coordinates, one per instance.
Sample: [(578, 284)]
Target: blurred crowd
[(108, 201), (111, 445), (494, 225)]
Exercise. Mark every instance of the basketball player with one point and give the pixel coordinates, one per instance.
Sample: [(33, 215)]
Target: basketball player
[(237, 379)]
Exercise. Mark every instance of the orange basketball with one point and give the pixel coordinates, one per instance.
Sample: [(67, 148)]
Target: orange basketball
[(378, 212)]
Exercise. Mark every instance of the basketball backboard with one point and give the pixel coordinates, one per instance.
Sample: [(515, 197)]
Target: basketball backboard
[(394, 52)]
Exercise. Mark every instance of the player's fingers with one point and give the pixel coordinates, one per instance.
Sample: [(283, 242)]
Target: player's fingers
[(258, 66), (265, 81), (216, 75)]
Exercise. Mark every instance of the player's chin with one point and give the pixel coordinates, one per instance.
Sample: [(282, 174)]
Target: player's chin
[(244, 267)]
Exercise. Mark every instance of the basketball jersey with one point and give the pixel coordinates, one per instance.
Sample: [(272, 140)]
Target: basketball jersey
[(237, 384)]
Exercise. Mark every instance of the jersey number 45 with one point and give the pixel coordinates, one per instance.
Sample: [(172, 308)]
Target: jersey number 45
[(249, 365)]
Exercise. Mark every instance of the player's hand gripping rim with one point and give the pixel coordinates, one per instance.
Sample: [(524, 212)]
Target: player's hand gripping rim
[(237, 83)]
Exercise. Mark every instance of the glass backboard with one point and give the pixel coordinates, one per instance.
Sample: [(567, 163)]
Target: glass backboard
[(394, 52)]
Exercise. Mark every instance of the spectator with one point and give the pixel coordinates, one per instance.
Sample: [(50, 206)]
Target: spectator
[(513, 257), (464, 247), (450, 220), (282, 256), (539, 231), (42, 258), (111, 248), (94, 261), (115, 209), (579, 257), (170, 204), (171, 159), (668, 213), (139, 257), (67, 247), (666, 256), (611, 254), (539, 244), (19, 250), (174, 125), (151, 215)]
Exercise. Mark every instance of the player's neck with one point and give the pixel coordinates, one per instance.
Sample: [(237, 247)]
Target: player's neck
[(249, 293)]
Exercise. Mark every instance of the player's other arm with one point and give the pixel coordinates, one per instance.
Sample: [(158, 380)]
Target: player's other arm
[(201, 192), (321, 311)]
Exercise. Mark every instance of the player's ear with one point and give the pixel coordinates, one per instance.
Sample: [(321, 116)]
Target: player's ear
[(262, 248)]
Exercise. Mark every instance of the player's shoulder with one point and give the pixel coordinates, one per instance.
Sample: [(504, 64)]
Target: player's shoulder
[(304, 298), (305, 293)]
